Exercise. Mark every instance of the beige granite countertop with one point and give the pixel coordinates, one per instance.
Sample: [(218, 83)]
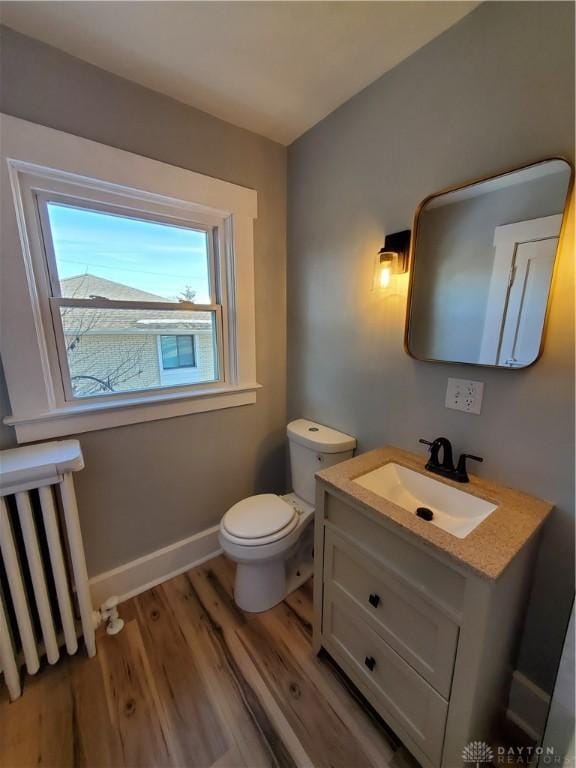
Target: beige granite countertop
[(487, 550)]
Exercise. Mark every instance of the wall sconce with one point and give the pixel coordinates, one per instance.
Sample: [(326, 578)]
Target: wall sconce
[(393, 257)]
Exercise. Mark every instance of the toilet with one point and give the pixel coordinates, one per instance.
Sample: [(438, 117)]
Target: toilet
[(271, 537)]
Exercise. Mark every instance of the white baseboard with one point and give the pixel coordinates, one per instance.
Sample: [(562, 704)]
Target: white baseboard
[(146, 572), (528, 706)]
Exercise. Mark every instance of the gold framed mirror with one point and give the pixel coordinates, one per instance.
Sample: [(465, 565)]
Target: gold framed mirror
[(482, 263)]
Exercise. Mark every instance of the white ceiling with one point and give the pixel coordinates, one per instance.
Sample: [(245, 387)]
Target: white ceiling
[(276, 68)]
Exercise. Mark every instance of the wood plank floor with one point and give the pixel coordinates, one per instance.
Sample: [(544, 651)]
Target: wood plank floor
[(193, 681)]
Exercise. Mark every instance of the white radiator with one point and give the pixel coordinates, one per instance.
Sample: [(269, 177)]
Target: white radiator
[(45, 601)]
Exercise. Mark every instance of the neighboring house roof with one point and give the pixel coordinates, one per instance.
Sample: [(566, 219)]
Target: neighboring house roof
[(87, 286), (80, 321)]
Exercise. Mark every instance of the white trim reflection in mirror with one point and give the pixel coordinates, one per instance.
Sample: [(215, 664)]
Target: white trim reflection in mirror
[(482, 267)]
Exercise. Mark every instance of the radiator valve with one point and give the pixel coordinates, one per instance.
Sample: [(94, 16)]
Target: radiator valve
[(110, 616)]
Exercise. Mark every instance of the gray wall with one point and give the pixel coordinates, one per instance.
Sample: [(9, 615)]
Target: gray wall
[(494, 91), (455, 256), (151, 484)]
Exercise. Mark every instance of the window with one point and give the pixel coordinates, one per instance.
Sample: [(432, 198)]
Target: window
[(128, 288), (178, 352), (118, 281)]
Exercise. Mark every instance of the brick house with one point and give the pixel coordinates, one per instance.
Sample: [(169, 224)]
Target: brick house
[(118, 350)]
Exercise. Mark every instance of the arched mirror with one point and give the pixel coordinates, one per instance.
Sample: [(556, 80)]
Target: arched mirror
[(482, 264)]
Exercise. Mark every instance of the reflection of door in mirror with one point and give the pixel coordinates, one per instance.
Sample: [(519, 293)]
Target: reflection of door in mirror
[(518, 292), (482, 267)]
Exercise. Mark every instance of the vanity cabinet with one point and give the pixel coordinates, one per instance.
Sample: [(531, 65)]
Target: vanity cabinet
[(428, 641)]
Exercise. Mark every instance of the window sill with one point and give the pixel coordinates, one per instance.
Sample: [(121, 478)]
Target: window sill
[(90, 416)]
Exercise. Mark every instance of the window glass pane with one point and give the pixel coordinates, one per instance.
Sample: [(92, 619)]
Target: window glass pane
[(124, 350), (169, 351), (177, 351), (185, 350), (117, 257)]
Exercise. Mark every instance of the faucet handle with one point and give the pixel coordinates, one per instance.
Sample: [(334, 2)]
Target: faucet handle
[(429, 443), (461, 475)]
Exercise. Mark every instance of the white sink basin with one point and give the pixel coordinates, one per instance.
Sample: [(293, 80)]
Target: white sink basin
[(454, 511)]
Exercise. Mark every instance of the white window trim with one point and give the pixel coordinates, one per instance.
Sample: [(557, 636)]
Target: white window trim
[(37, 410)]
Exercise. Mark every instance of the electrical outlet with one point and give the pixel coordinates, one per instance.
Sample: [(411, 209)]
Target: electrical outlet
[(464, 395)]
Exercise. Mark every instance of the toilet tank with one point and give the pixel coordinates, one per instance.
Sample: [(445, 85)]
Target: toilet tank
[(314, 447)]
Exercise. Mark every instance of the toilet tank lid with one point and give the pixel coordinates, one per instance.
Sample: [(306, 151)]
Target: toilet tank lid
[(318, 437)]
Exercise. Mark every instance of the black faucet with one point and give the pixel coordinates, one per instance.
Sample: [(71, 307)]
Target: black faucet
[(460, 474), (446, 467)]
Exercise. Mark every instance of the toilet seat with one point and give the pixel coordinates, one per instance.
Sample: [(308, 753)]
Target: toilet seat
[(259, 520)]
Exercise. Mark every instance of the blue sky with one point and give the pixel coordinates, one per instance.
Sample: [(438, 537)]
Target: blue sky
[(153, 257)]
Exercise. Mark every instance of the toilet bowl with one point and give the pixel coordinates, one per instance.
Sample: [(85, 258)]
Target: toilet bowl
[(271, 537)]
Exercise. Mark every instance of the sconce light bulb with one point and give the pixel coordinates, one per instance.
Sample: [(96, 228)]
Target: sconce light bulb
[(385, 273)]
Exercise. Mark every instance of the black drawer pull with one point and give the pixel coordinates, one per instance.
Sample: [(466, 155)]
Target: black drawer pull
[(370, 662), (374, 599)]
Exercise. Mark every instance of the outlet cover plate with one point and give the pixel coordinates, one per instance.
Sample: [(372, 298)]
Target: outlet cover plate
[(464, 395)]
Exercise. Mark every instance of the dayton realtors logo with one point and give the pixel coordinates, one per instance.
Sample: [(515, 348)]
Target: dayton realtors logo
[(480, 754), (477, 752), (530, 755)]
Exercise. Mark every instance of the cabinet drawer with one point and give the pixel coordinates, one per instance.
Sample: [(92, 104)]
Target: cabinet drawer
[(417, 630), (438, 582), (405, 700)]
